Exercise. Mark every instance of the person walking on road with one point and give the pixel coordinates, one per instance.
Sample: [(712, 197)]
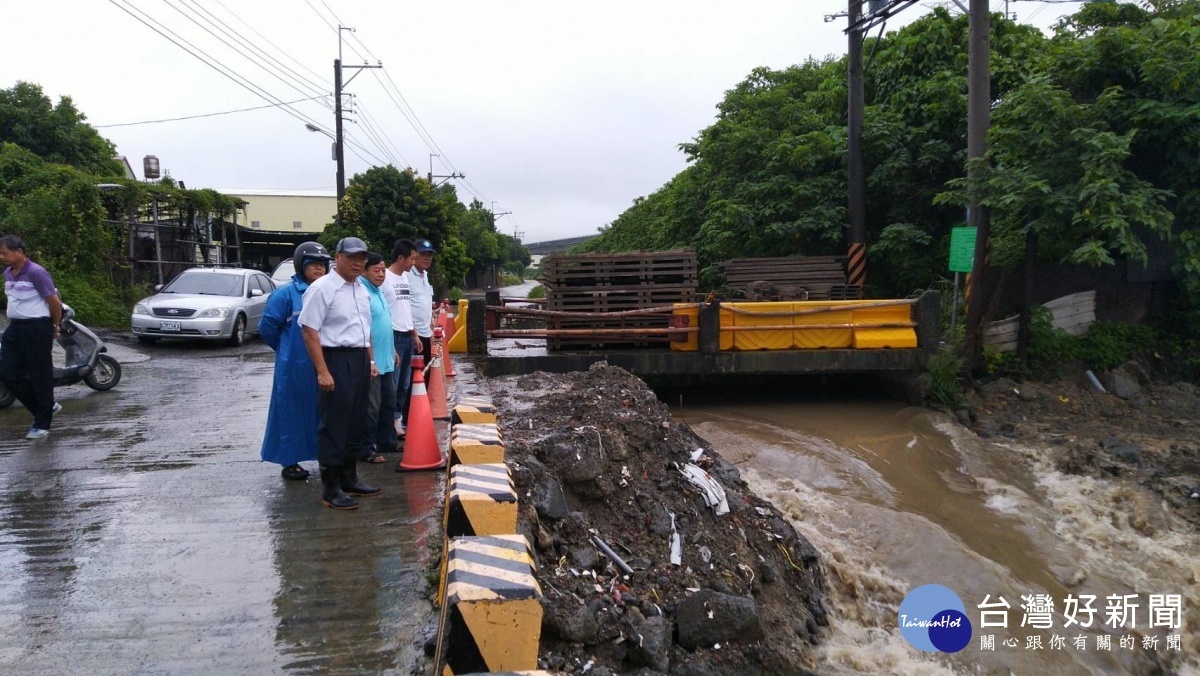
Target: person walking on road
[(421, 292), (336, 324), (379, 436), (291, 434), (396, 289), (34, 316)]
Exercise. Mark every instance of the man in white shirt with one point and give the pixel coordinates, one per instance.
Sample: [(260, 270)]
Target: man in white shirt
[(397, 291), (421, 293), (336, 324)]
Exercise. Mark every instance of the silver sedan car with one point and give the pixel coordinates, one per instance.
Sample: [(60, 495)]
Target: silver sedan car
[(209, 303)]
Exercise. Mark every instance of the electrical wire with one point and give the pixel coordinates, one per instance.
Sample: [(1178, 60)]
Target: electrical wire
[(193, 117), (318, 85), (212, 62), (320, 78), (369, 119), (309, 91), (397, 97), (373, 137)]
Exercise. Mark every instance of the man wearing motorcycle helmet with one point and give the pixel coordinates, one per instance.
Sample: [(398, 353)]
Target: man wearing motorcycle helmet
[(291, 434)]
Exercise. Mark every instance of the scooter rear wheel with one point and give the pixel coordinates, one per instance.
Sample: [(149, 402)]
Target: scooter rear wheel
[(105, 375), (6, 397)]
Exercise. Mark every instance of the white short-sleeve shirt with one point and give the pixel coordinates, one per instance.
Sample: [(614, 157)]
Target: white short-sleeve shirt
[(396, 291), (422, 302), (339, 311)]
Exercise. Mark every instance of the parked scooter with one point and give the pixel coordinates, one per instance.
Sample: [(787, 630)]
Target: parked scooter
[(86, 359)]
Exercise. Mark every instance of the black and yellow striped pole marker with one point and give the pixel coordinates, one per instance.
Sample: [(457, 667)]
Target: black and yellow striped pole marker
[(472, 410), (482, 501), (478, 444), (856, 264), (493, 607)]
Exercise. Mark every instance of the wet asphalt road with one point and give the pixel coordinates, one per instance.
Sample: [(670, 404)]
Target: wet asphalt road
[(145, 536)]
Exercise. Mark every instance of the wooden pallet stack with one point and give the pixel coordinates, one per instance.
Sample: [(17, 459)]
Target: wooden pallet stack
[(616, 283), (792, 278)]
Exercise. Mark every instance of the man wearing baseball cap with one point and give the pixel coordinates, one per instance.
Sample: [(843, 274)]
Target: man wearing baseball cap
[(336, 324), (421, 293)]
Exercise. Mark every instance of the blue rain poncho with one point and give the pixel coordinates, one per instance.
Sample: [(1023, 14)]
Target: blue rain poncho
[(291, 434)]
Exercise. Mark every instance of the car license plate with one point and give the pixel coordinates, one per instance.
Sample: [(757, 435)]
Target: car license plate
[(168, 326)]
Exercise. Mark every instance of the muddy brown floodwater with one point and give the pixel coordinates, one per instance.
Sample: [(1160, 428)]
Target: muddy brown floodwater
[(144, 536), (896, 497)]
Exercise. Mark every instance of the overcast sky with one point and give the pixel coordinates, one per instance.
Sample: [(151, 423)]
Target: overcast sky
[(560, 112)]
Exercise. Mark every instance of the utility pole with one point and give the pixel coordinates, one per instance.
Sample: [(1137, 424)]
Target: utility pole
[(340, 152), (337, 131), (978, 118), (856, 265), (494, 214)]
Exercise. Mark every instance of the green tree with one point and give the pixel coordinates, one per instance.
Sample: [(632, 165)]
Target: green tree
[(1093, 145), (386, 204), (56, 133)]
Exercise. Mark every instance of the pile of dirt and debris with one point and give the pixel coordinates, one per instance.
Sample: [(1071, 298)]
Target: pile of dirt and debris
[(699, 576), (1137, 430)]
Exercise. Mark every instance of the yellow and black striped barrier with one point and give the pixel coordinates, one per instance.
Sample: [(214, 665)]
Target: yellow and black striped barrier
[(494, 612), (478, 444), (482, 501), (473, 410)]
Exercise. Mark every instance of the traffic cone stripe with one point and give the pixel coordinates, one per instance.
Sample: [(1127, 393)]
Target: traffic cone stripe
[(418, 389)]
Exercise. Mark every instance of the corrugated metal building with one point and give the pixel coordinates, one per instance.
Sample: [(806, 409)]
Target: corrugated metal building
[(277, 220)]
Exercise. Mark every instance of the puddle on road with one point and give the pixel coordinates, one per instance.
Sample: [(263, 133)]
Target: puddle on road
[(897, 497), (144, 531)]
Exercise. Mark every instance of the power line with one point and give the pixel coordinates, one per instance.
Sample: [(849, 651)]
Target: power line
[(193, 117), (378, 162), (244, 55), (317, 85), (397, 97), (370, 120), (333, 28), (212, 62), (373, 136), (320, 78)]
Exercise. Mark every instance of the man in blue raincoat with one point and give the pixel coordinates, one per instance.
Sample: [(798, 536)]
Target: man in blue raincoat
[(291, 434)]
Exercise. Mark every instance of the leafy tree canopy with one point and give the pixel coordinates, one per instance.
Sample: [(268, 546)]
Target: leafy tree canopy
[(56, 133), (1093, 145)]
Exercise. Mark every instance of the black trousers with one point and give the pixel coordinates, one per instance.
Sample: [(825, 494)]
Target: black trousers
[(27, 367), (380, 434), (344, 410)]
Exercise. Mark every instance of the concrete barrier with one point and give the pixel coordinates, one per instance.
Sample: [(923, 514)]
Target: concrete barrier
[(482, 501), (493, 611), (478, 444), (473, 410)]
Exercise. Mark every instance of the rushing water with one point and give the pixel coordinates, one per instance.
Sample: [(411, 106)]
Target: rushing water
[(896, 497)]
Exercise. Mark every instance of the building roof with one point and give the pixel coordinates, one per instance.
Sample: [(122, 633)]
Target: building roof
[(277, 193)]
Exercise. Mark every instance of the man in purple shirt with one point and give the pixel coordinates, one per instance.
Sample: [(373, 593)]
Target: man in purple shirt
[(34, 315)]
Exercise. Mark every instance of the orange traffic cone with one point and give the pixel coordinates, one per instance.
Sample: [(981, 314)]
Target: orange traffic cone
[(421, 449), (437, 380)]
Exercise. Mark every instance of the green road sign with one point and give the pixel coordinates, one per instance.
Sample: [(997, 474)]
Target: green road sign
[(962, 249)]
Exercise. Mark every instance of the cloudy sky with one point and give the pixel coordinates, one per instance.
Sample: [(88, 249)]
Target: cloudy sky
[(559, 112)]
